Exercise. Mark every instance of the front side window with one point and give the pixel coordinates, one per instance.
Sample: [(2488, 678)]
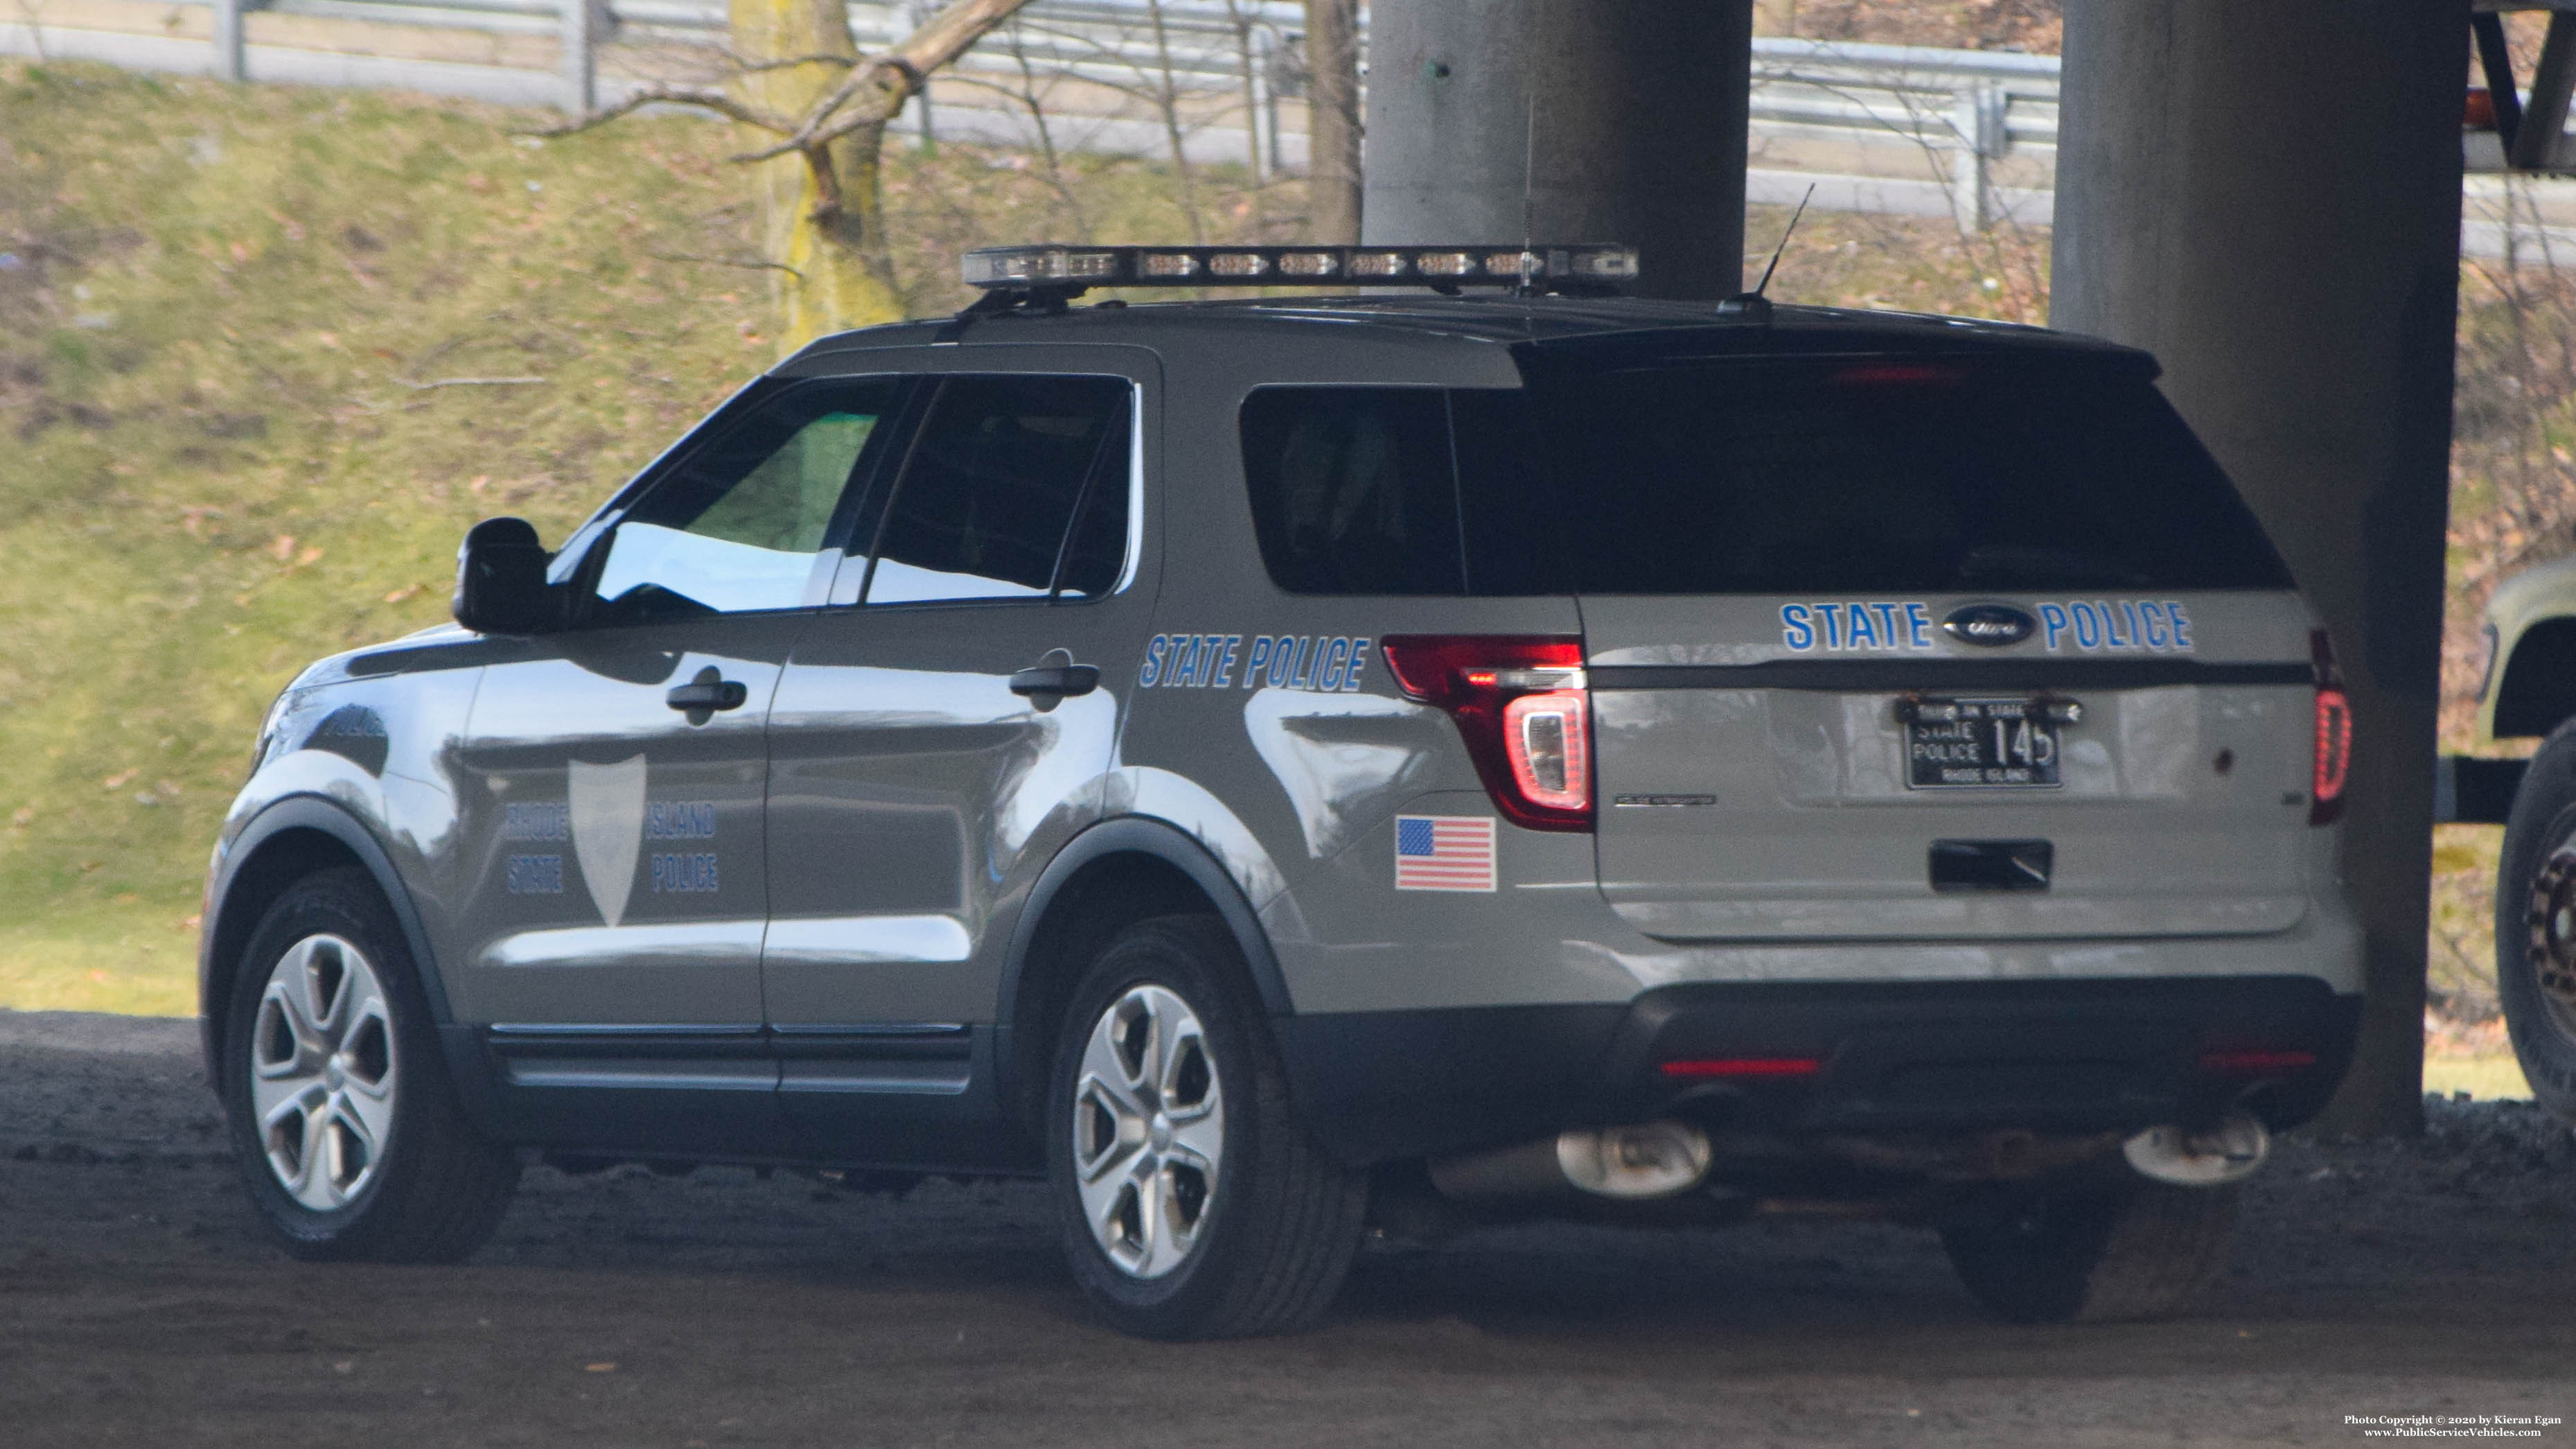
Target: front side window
[(1015, 488), (737, 526)]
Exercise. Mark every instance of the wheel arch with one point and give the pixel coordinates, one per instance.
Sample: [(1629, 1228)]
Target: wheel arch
[(285, 843), (1117, 872), (2535, 688)]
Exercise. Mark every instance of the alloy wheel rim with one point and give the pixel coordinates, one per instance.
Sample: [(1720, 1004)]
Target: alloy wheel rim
[(322, 1071), (1148, 1132), (2551, 953)]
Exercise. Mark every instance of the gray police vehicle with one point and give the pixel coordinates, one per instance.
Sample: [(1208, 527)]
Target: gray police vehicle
[(1347, 762)]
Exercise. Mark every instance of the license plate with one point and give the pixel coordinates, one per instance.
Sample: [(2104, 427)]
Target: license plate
[(1979, 744)]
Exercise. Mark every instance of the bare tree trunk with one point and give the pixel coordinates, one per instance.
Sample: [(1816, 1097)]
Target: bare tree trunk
[(1333, 120), (1167, 99), (820, 221), (1245, 72)]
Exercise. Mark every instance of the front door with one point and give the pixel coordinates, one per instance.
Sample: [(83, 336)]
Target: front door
[(934, 745), (616, 782)]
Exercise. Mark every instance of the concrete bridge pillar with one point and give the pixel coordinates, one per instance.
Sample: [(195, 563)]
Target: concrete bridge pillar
[(2268, 197), (1626, 118)]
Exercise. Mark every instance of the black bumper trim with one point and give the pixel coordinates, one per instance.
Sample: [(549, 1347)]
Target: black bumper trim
[(1895, 1056)]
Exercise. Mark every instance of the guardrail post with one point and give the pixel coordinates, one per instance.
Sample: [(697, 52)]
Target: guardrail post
[(585, 24), (228, 40), (1978, 116)]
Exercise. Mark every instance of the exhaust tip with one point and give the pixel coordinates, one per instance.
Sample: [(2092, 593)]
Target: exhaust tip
[(1652, 1159), (1630, 1163), (2228, 1152)]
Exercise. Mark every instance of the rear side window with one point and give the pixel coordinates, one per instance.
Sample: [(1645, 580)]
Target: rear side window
[(1760, 477), (1354, 489), (987, 504)]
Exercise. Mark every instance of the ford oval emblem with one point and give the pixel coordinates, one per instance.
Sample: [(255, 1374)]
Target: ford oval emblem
[(1990, 625)]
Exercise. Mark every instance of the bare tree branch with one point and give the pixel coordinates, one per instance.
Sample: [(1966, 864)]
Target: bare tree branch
[(717, 101), (895, 74)]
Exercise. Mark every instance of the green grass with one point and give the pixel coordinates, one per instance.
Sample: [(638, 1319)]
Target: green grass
[(2484, 1078), (219, 305), (220, 463)]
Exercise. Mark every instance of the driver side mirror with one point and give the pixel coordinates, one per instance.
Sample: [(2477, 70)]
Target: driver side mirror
[(501, 580)]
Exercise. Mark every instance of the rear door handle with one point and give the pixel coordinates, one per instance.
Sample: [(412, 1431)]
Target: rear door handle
[(706, 694), (1064, 681)]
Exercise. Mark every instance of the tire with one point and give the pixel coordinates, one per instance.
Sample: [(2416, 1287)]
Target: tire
[(2536, 924), (344, 1123), (2102, 1255), (1194, 1205)]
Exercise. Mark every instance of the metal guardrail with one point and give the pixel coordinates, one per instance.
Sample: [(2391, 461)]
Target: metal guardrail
[(1910, 92), (1229, 63)]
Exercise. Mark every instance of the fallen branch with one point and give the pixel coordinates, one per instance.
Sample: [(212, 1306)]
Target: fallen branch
[(465, 382), (752, 266)]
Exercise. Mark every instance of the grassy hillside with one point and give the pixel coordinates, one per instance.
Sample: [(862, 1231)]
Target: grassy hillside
[(250, 349), (253, 344)]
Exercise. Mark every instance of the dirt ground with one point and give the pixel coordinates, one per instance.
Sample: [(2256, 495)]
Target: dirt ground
[(139, 1305)]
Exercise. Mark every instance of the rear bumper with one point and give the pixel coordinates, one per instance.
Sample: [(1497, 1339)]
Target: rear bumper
[(2051, 1056)]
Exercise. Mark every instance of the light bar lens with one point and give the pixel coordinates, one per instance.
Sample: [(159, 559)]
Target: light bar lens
[(1584, 266), (1007, 266)]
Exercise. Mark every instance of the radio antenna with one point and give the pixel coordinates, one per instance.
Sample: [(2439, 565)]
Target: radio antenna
[(1753, 306), (1529, 192), (1786, 232)]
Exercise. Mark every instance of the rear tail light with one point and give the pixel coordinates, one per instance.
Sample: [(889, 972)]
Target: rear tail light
[(1524, 710), (2333, 755)]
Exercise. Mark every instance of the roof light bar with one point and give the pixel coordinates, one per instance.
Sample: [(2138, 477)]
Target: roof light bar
[(1555, 267)]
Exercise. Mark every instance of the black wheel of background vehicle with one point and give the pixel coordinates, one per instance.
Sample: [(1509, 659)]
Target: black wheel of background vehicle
[(2102, 1255), (1194, 1204), (344, 1123), (2536, 923)]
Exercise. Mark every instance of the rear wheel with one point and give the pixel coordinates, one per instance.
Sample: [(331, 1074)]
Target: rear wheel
[(1194, 1205), (2536, 924), (2106, 1255), (344, 1124)]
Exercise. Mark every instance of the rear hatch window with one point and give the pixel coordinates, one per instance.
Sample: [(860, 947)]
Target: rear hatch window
[(1762, 476)]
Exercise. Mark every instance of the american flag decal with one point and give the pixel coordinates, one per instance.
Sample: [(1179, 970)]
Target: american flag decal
[(1444, 852)]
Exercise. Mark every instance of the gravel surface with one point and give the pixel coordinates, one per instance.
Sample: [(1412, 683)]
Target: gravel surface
[(140, 1305)]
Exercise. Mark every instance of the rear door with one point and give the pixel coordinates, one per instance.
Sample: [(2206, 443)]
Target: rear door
[(1945, 647), (943, 729)]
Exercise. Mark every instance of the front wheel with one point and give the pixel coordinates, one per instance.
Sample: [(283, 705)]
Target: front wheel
[(2102, 1255), (1194, 1204), (2536, 924), (344, 1124)]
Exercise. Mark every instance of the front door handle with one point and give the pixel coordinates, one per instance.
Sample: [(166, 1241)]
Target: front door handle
[(1050, 682), (704, 695)]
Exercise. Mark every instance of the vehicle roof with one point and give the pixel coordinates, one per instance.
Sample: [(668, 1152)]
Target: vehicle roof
[(1571, 324)]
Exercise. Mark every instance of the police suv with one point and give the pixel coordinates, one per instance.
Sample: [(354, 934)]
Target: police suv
[(1341, 762)]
